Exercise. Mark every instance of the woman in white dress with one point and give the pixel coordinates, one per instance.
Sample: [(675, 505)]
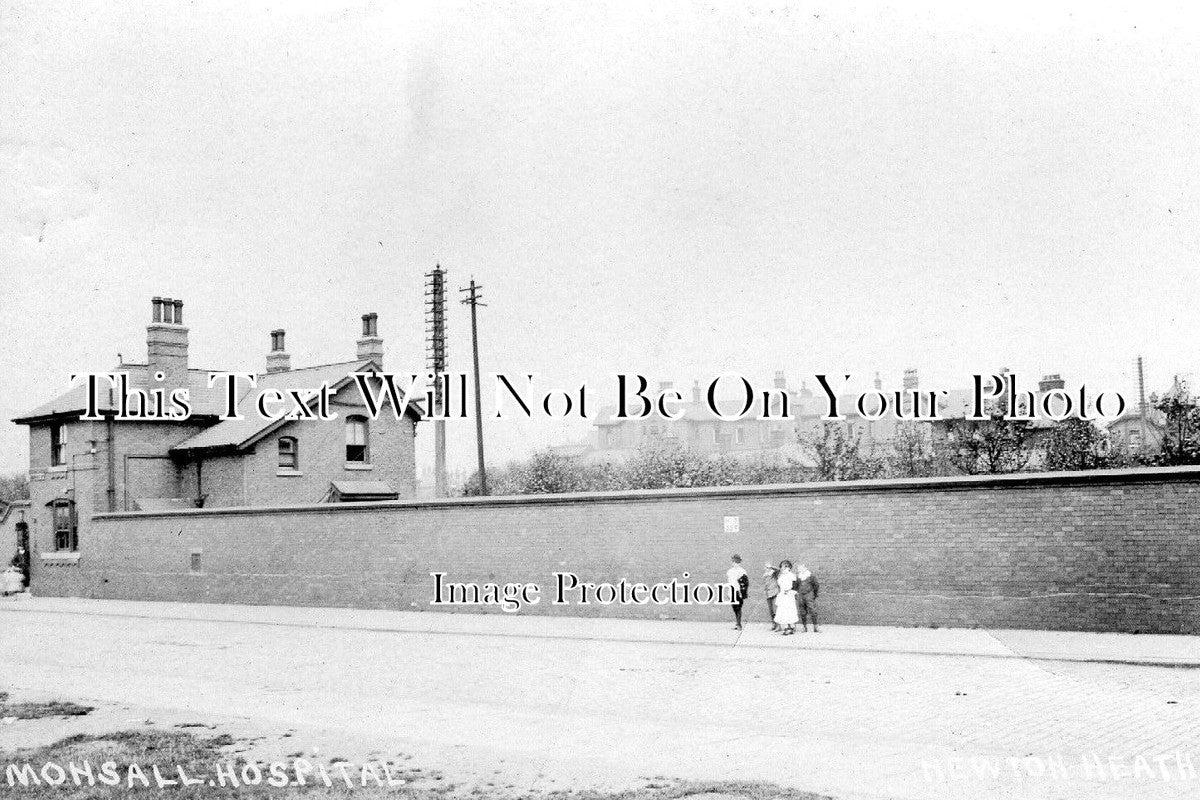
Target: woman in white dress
[(786, 614)]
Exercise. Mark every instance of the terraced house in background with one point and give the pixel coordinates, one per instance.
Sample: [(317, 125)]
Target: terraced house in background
[(80, 467)]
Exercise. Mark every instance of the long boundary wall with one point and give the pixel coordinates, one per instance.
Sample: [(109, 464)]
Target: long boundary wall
[(1112, 550)]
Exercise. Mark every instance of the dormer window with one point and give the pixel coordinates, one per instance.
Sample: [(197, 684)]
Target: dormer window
[(58, 445)]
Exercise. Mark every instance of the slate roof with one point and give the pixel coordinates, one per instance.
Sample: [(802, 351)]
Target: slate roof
[(364, 490), (204, 401), (207, 403), (238, 433)]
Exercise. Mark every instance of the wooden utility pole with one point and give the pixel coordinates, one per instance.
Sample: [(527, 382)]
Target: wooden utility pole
[(473, 298)]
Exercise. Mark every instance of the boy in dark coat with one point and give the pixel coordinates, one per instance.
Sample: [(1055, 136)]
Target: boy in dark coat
[(806, 597)]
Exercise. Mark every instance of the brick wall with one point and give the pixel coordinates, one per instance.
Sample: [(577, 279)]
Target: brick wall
[(1115, 550)]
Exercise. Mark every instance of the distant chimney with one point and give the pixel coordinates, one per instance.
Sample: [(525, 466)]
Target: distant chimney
[(278, 360), (878, 383), (370, 346), (167, 345), (911, 382), (780, 380), (696, 392), (1050, 382)]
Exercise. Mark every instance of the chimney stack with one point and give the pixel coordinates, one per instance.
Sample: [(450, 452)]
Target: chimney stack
[(780, 380), (1050, 382), (167, 345), (370, 346), (278, 360), (910, 380), (878, 383), (696, 392)]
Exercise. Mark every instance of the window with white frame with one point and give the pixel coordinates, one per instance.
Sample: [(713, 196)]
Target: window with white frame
[(58, 444), (289, 453), (356, 440)]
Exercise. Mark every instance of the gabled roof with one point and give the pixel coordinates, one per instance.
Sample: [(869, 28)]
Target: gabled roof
[(205, 402), (1154, 417), (235, 434)]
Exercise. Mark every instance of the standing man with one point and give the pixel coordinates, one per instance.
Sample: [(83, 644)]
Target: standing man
[(806, 597), (740, 581), (771, 586)]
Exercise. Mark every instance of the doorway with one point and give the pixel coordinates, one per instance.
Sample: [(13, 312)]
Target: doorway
[(23, 558)]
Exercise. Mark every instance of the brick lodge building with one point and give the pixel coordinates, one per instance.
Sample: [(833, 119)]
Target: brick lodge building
[(78, 467)]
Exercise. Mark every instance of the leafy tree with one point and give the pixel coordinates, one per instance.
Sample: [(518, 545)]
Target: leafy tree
[(658, 465), (1181, 434), (1076, 444), (13, 487), (665, 465), (838, 455), (545, 472), (911, 454), (990, 446)]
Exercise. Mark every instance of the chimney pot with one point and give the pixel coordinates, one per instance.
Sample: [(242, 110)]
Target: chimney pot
[(167, 344), (1049, 382), (278, 360), (370, 346)]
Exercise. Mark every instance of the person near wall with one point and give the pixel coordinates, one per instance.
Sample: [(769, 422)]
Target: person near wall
[(740, 581), (785, 604), (806, 597), (771, 587)]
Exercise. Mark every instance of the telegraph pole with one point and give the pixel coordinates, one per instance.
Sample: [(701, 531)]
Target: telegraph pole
[(473, 298), (435, 341), (1141, 378)]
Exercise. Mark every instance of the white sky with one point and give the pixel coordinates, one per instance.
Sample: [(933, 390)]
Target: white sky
[(676, 190)]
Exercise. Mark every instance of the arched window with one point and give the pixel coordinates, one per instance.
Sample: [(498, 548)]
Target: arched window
[(356, 440), (289, 453)]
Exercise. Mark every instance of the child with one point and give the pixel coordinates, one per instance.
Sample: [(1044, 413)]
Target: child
[(785, 604)]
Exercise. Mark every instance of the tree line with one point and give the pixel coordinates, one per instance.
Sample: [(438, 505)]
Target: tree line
[(994, 445)]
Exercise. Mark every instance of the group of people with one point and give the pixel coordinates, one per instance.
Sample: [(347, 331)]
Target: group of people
[(791, 595)]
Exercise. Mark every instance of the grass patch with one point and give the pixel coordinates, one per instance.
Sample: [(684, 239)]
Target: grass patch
[(199, 757), (52, 708)]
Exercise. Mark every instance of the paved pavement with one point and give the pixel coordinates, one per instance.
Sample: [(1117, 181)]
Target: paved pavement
[(551, 702)]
